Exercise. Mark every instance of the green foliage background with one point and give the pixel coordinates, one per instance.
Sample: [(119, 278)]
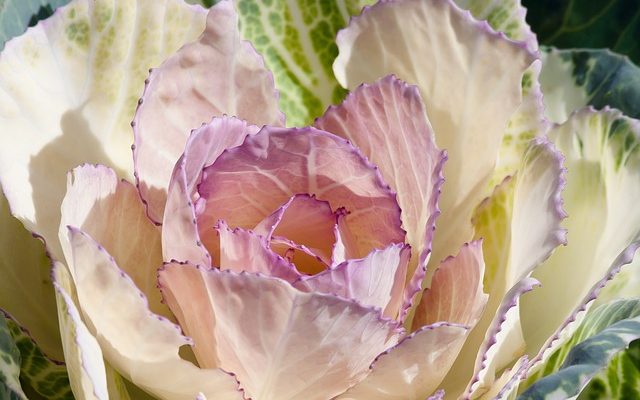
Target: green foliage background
[(613, 24)]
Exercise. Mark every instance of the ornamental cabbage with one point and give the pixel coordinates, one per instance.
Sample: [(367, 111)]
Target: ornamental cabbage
[(268, 214)]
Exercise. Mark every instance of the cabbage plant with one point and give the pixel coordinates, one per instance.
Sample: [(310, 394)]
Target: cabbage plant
[(311, 199)]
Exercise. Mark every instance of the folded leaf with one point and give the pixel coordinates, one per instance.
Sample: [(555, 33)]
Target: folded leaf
[(520, 227), (456, 293), (180, 237), (387, 122), (305, 221), (242, 250), (527, 121), (82, 352), (377, 280), (110, 211), (217, 75), (413, 368), (140, 345), (277, 163), (280, 342), (502, 342)]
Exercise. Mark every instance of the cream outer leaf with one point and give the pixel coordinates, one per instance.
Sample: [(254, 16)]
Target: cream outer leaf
[(68, 88), (283, 343), (603, 188), (277, 163), (469, 77), (388, 123), (26, 291), (503, 340), (180, 237), (521, 224), (538, 209), (456, 294), (527, 122), (413, 368), (376, 280), (562, 94), (110, 210), (140, 345), (506, 387), (82, 352), (216, 75)]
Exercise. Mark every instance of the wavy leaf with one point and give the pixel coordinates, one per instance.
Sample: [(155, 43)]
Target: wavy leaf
[(69, 90)]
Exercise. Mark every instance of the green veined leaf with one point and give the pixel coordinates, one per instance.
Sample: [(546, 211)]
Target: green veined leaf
[(621, 379), (297, 40), (572, 79), (37, 372), (506, 16), (17, 15), (613, 24), (604, 332), (10, 388)]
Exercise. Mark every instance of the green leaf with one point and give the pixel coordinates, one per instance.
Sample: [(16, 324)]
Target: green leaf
[(10, 388), (17, 15), (613, 24), (604, 332), (297, 40), (37, 372), (572, 79), (621, 379)]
